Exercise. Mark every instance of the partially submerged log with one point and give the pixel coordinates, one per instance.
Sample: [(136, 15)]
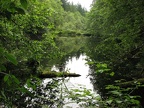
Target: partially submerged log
[(58, 74)]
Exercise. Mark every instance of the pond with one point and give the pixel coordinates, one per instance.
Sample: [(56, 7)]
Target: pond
[(78, 66)]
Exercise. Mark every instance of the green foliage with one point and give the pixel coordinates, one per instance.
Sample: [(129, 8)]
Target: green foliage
[(24, 3), (9, 78), (74, 19), (74, 24), (73, 8), (118, 97), (117, 28), (115, 96), (85, 98), (25, 34), (6, 57), (11, 58), (102, 68), (28, 44)]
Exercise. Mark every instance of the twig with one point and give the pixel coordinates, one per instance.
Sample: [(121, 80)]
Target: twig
[(4, 73)]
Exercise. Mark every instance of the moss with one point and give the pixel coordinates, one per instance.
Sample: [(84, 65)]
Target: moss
[(49, 74)]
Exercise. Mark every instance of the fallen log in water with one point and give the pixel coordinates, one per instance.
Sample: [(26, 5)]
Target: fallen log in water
[(58, 74)]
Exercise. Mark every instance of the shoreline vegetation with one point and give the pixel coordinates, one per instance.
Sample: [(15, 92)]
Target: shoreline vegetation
[(71, 33)]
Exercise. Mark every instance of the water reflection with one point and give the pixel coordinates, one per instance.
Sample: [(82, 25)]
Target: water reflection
[(78, 65)]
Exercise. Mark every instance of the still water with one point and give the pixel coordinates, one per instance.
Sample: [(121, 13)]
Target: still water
[(78, 66)]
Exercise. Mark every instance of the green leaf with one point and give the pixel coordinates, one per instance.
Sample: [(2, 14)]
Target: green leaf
[(99, 65), (23, 89), (28, 83), (100, 71), (15, 79), (118, 101), (2, 92), (109, 101), (116, 93), (108, 87), (2, 68), (24, 3), (136, 102), (6, 77), (90, 63), (112, 74), (11, 58), (76, 90)]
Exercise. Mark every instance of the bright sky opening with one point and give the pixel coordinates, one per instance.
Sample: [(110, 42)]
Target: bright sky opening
[(85, 3)]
